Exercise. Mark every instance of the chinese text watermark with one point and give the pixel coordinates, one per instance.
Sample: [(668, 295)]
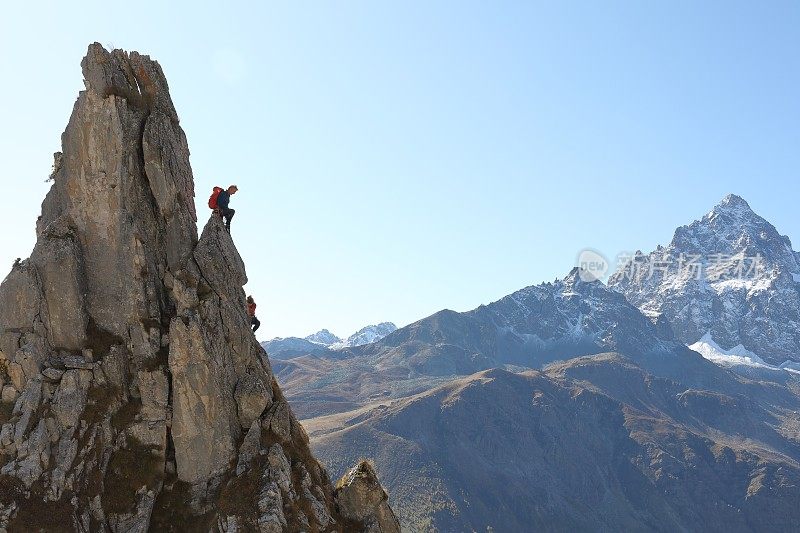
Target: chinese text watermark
[(593, 265)]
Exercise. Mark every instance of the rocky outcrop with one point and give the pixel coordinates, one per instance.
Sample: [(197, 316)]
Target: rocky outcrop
[(134, 395), (361, 498)]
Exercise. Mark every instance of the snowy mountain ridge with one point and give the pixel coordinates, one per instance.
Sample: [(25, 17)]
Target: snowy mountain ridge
[(323, 337), (324, 341), (366, 335), (570, 311)]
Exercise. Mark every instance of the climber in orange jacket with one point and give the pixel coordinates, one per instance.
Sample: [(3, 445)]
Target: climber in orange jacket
[(251, 310)]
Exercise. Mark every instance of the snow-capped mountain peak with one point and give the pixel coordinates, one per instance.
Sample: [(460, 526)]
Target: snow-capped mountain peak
[(323, 337), (730, 274), (734, 203)]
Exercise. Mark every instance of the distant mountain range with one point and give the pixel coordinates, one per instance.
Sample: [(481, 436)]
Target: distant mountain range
[(576, 405), (529, 328), (323, 341)]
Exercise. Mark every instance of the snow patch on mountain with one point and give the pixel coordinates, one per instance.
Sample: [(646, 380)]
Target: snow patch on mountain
[(737, 356), (751, 286), (791, 366)]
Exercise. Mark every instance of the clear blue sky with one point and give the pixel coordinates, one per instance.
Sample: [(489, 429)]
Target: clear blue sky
[(394, 160)]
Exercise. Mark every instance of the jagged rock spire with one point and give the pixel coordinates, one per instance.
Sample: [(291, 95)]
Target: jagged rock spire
[(135, 396)]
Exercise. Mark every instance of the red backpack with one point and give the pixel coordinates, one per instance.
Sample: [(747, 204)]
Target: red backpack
[(212, 202)]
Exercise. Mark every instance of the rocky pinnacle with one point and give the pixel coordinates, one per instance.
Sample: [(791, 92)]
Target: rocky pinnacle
[(134, 395)]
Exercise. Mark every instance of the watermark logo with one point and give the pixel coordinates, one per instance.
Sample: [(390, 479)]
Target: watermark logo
[(592, 265), (714, 267)]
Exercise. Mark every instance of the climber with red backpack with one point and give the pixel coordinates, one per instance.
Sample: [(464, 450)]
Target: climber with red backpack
[(219, 203)]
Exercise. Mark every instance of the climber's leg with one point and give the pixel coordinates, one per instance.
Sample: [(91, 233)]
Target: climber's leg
[(227, 214)]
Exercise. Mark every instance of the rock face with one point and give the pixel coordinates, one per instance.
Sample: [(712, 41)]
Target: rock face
[(134, 394), (729, 276)]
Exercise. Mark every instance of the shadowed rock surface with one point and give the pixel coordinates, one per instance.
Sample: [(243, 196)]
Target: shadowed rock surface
[(135, 395)]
